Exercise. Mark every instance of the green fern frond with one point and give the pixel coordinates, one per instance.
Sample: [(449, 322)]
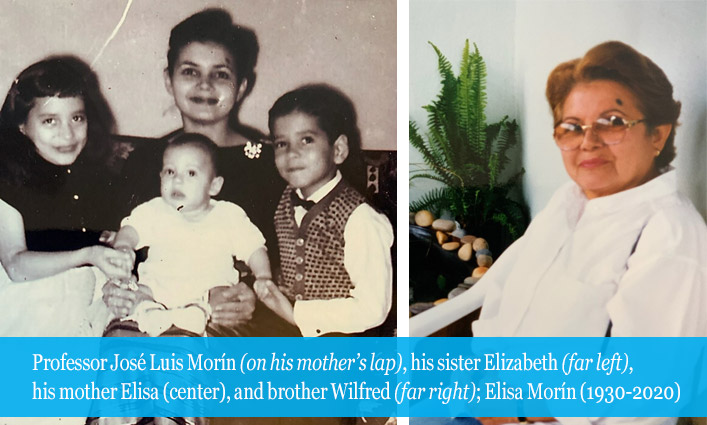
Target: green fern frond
[(435, 201), (443, 65), (429, 176), (432, 158), (464, 153)]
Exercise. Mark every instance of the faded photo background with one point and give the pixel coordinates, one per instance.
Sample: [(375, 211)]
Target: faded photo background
[(349, 44)]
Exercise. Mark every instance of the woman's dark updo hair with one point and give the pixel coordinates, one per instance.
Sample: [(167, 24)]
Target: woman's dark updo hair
[(57, 76), (335, 115), (216, 26), (619, 62)]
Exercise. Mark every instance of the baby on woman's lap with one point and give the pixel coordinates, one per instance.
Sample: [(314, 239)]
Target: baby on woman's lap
[(193, 240)]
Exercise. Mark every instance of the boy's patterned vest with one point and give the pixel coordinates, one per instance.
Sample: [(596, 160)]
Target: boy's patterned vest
[(312, 255)]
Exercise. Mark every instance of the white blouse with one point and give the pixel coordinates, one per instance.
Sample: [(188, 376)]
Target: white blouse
[(636, 258)]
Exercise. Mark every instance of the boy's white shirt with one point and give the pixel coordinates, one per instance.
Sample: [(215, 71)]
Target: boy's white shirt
[(368, 237)]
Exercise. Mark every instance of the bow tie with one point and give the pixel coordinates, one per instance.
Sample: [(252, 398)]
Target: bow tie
[(299, 202)]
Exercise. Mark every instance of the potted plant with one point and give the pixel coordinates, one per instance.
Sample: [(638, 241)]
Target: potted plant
[(469, 157)]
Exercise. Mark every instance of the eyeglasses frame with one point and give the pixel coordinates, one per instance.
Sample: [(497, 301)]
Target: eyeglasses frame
[(627, 125)]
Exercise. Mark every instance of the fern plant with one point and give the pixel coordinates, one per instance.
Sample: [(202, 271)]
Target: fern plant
[(467, 155)]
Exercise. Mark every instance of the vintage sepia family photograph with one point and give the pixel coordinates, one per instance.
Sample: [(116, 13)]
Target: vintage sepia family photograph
[(198, 168)]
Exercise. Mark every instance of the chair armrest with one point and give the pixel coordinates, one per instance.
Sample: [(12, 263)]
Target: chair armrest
[(448, 312)]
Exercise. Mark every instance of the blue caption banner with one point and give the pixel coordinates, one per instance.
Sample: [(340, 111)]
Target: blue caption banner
[(353, 377)]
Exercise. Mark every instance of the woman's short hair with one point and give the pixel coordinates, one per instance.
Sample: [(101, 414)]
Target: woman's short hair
[(619, 62), (56, 76), (216, 26)]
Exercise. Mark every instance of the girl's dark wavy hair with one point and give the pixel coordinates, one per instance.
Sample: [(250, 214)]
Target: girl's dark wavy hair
[(216, 26), (56, 76), (335, 114)]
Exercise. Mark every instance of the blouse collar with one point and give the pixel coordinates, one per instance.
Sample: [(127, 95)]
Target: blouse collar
[(660, 186)]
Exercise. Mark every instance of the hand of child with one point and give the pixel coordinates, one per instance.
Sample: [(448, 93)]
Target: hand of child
[(276, 301), (231, 306), (112, 262), (107, 237), (130, 252)]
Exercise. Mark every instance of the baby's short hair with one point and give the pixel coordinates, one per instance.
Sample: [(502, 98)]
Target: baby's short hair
[(198, 141)]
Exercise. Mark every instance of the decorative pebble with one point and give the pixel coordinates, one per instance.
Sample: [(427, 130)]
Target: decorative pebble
[(471, 280), (456, 291), (442, 237), (468, 239), (479, 244), (484, 252), (440, 301), (418, 308), (484, 260), (479, 271), (424, 218), (465, 252), (444, 225), (451, 246), (458, 232)]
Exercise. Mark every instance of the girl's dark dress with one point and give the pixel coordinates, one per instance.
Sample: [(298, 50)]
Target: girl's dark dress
[(63, 207)]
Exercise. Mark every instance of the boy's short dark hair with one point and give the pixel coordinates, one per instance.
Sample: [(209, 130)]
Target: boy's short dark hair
[(201, 142), (216, 26), (335, 114), (333, 110)]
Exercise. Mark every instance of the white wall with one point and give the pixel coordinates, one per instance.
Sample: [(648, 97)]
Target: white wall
[(545, 33), (347, 43)]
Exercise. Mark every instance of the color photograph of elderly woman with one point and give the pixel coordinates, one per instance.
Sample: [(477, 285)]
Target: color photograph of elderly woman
[(612, 128)]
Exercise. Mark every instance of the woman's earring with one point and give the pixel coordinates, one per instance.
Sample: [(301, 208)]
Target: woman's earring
[(657, 152)]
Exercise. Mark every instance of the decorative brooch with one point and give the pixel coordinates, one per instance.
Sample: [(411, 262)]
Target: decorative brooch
[(252, 150)]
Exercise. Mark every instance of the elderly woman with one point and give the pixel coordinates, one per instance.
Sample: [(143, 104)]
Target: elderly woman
[(617, 251)]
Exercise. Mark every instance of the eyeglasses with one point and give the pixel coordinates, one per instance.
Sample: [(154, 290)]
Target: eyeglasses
[(610, 130)]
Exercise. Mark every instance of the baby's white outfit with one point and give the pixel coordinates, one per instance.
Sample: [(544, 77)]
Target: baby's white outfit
[(187, 258)]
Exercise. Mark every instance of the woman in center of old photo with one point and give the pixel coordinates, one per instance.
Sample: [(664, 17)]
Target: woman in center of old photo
[(618, 251), (210, 70)]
